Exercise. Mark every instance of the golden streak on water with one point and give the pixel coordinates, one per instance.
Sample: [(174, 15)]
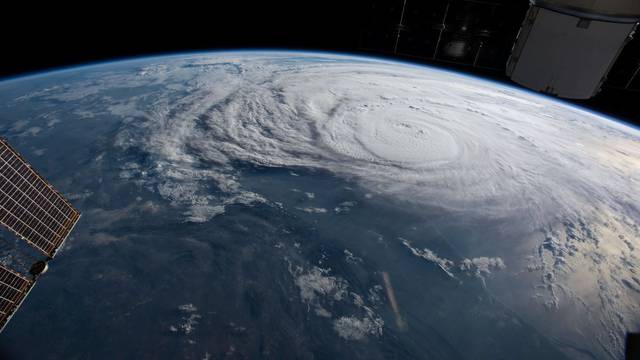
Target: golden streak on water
[(400, 323)]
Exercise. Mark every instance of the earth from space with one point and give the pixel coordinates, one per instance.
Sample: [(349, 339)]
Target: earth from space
[(292, 205)]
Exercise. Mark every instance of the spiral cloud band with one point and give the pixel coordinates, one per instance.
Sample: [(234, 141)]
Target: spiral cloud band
[(420, 135)]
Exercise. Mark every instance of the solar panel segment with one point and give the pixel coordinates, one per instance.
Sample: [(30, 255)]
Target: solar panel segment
[(33, 210), (30, 207), (13, 290)]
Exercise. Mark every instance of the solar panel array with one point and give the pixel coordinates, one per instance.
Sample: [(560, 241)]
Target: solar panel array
[(30, 206), (13, 289)]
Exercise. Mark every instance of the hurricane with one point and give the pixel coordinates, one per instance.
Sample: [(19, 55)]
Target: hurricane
[(558, 185)]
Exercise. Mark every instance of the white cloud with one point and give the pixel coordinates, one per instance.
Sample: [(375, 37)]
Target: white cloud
[(328, 295), (312, 210), (188, 308), (353, 328), (316, 282), (350, 258), (344, 207), (188, 321), (442, 263), (482, 266), (479, 266)]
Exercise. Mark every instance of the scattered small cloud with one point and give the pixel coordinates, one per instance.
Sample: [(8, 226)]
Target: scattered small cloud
[(317, 282), (353, 328), (344, 207), (323, 292), (188, 321), (102, 238), (19, 125), (430, 256), (80, 196), (313, 210), (478, 266), (32, 131), (482, 266), (52, 122), (350, 258)]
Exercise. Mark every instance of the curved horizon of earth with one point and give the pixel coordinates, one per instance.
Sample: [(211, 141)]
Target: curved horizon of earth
[(314, 205)]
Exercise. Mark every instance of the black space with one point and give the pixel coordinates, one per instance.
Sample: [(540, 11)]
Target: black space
[(56, 36), (36, 37)]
